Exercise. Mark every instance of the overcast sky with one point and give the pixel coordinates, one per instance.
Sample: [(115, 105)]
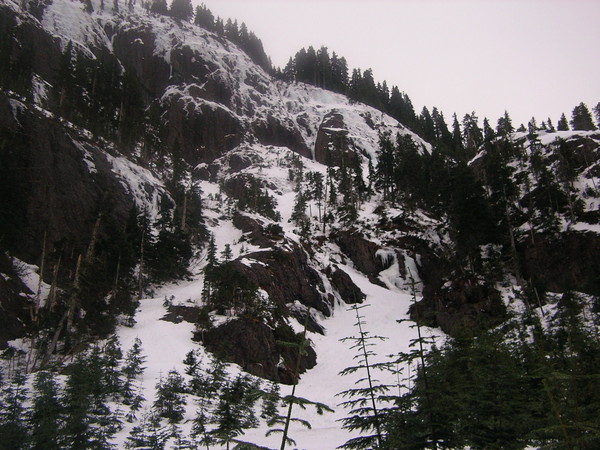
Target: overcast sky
[(531, 57)]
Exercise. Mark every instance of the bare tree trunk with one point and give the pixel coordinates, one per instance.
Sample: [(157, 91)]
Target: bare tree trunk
[(90, 253), (53, 288), (73, 299), (184, 211), (141, 268), (36, 304)]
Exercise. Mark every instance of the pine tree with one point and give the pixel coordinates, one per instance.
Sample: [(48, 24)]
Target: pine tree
[(597, 114), (13, 432), (582, 119), (235, 410), (159, 7), (204, 17), (366, 403), (227, 253), (562, 124), (45, 417), (181, 9), (112, 355), (504, 127), (170, 400)]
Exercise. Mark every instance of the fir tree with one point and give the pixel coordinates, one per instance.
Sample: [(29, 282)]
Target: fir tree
[(170, 400), (504, 127), (582, 119), (204, 18), (45, 417), (597, 114), (13, 431), (365, 402), (562, 124), (159, 7), (112, 356), (181, 9)]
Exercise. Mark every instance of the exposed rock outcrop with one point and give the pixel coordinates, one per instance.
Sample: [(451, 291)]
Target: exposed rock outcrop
[(569, 262), (465, 304), (14, 304), (331, 145), (361, 252), (344, 285), (253, 346), (54, 181)]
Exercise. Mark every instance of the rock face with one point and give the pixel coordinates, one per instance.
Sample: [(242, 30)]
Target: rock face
[(271, 131), (361, 252), (54, 182), (331, 145), (14, 312), (253, 346), (249, 343), (285, 275), (466, 304), (570, 262), (349, 291), (201, 131)]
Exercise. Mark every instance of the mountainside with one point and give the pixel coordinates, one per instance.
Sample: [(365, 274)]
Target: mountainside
[(155, 182)]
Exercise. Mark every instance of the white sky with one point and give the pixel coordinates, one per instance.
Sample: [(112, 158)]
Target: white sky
[(531, 57)]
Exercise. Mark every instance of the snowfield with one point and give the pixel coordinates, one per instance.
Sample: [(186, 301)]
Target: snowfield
[(165, 344)]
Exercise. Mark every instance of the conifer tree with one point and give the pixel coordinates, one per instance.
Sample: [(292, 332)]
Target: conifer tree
[(45, 417), (204, 18), (235, 410), (13, 430), (597, 114), (504, 127), (159, 7), (181, 9), (112, 355), (562, 124), (581, 118), (366, 403), (170, 400)]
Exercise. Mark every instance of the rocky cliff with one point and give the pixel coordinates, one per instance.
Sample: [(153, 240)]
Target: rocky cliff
[(106, 116)]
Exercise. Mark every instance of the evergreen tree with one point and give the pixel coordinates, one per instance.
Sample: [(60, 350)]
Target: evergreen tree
[(427, 126), (88, 420), (597, 114), (472, 134), (170, 400), (45, 417), (504, 127), (112, 355), (149, 434), (235, 410), (457, 140), (13, 430), (562, 125), (366, 402), (582, 119), (443, 137), (204, 17), (159, 7), (488, 132), (227, 254)]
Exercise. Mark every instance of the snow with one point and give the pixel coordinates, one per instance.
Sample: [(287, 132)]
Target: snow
[(165, 345), (69, 22), (145, 188), (29, 275)]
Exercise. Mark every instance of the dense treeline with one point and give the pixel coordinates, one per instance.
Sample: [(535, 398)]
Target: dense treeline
[(530, 382), (319, 68)]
